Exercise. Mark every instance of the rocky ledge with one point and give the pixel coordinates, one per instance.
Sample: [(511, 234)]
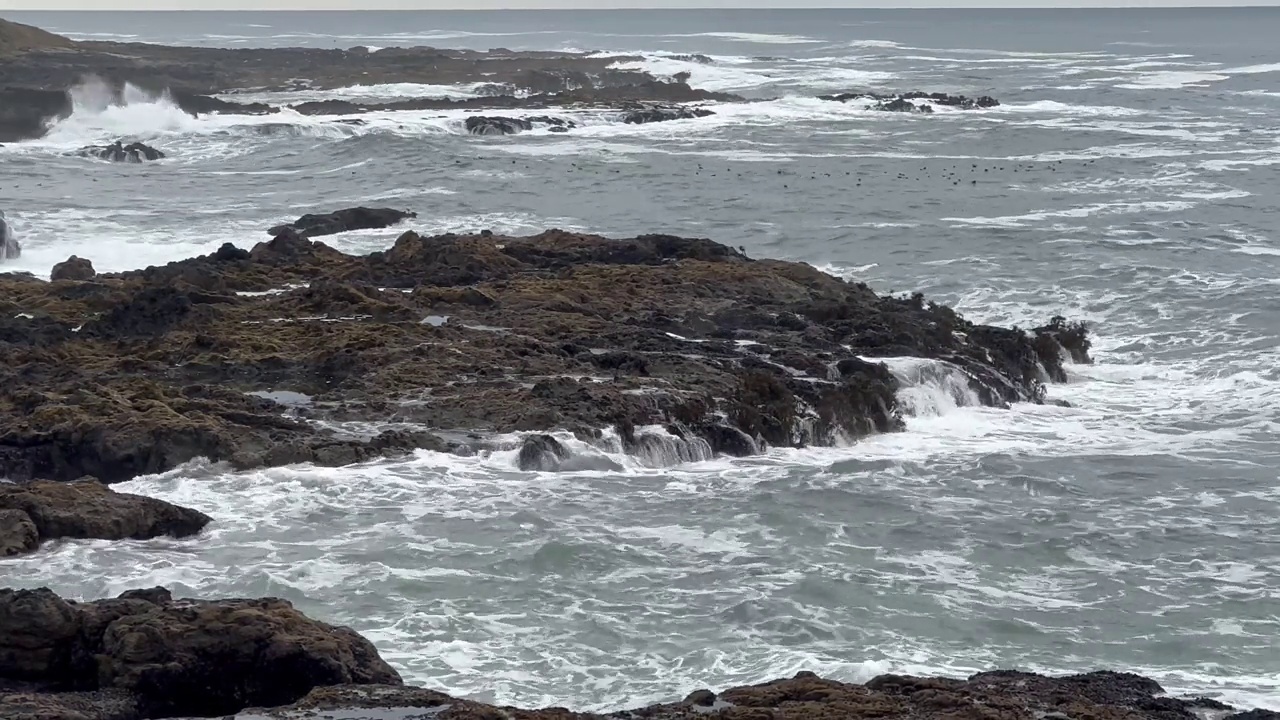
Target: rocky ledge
[(915, 101), (147, 655), (36, 512), (665, 347), (37, 69)]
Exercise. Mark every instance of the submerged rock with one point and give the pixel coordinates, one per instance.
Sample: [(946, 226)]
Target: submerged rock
[(18, 533), (340, 221), (119, 152), (483, 125), (542, 453), (641, 114), (496, 125), (86, 509), (924, 102), (73, 268), (807, 696)]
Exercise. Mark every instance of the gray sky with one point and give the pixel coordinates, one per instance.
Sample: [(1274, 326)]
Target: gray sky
[(533, 4)]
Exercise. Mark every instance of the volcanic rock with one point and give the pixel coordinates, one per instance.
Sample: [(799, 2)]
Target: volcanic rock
[(18, 533), (1005, 694), (73, 268), (1059, 340), (902, 102), (86, 509), (147, 655), (138, 372), (119, 152), (39, 68), (480, 125), (640, 114), (541, 452), (358, 218)]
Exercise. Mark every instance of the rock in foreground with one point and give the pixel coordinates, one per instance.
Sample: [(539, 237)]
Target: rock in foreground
[(40, 511), (73, 268), (684, 347), (146, 655), (1000, 695), (358, 218)]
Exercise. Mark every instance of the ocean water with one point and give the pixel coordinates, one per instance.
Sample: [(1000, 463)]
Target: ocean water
[(1128, 179)]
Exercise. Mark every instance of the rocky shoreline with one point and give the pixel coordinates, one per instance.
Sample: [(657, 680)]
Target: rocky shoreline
[(667, 348), (39, 69), (146, 654)]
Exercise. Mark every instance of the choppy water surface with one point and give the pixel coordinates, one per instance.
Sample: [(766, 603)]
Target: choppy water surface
[(1128, 179)]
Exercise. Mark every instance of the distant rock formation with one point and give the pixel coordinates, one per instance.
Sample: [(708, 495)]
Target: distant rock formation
[(915, 101)]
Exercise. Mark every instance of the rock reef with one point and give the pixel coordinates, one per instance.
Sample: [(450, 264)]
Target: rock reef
[(340, 221), (235, 356), (39, 69), (117, 151), (145, 654), (915, 101), (35, 512)]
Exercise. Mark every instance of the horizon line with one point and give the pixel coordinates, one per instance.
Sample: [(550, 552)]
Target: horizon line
[(926, 5)]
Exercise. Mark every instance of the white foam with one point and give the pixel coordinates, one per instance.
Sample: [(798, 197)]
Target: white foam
[(1172, 80), (757, 38), (378, 92), (930, 388), (99, 113), (1113, 208)]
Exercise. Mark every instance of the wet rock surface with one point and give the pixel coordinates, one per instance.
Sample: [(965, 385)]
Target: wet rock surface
[(137, 372), (340, 221), (119, 152), (146, 655), (73, 268), (40, 511), (639, 114), (1007, 695), (39, 67), (915, 101)]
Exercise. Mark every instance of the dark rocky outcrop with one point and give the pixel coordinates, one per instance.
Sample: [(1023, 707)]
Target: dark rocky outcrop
[(9, 246), (119, 152), (637, 114), (18, 533), (541, 452), (625, 98), (73, 268), (915, 101), (1061, 341), (484, 125), (138, 372), (340, 221), (146, 655), (39, 68), (42, 511), (1007, 695)]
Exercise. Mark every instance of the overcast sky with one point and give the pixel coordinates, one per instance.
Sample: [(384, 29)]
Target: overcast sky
[(533, 4)]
